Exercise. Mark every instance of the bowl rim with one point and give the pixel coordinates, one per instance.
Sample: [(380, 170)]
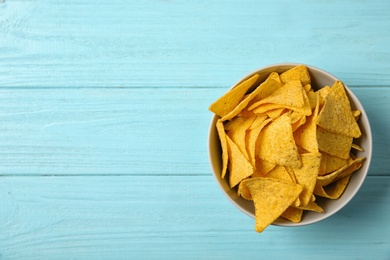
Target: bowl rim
[(364, 121)]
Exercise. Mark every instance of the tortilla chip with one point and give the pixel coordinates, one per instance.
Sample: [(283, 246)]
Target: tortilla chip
[(312, 206), (251, 141), (307, 175), (271, 198), (275, 76), (232, 98), (280, 173), (306, 135), (347, 169), (357, 147), (262, 168), (289, 94), (299, 72), (334, 143), (334, 190), (277, 145), (238, 134), (222, 138), (239, 167), (260, 92), (243, 190), (323, 92), (258, 121), (275, 113), (336, 115), (298, 123), (293, 214), (330, 163)]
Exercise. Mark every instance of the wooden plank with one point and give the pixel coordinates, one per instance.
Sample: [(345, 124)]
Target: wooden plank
[(144, 217), (174, 44), (129, 131)]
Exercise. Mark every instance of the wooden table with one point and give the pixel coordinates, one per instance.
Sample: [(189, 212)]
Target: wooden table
[(104, 122)]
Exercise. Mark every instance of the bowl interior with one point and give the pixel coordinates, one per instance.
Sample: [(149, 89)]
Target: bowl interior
[(319, 79)]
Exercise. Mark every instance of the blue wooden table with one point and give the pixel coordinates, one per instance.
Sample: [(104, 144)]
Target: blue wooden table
[(104, 121)]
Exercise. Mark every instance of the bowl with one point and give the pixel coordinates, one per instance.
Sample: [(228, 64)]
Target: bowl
[(319, 79)]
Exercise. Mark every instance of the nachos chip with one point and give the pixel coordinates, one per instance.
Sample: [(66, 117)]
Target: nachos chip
[(271, 198), (230, 100), (336, 115), (276, 143), (284, 143)]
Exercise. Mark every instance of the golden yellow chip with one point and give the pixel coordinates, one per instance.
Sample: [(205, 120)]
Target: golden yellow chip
[(279, 172), (251, 141), (275, 113), (307, 175), (299, 72), (258, 121), (347, 169), (357, 147), (271, 198), (239, 167), (334, 190), (336, 115), (330, 163), (312, 206), (333, 143), (261, 91), (290, 94), (262, 168), (238, 134), (243, 190), (298, 123), (277, 145), (293, 214), (232, 98), (222, 138), (306, 135), (313, 98), (275, 76), (234, 123), (259, 108)]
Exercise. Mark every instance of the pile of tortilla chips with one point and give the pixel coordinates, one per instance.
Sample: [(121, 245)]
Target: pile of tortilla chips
[(284, 144)]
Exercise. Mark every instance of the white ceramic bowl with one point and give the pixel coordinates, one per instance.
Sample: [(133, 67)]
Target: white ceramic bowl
[(319, 79)]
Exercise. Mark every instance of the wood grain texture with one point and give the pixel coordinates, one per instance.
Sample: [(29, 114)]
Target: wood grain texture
[(187, 43), (145, 217), (129, 131), (104, 122)]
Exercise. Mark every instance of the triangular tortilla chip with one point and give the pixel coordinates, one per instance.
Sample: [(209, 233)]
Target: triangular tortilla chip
[(306, 135), (307, 175), (299, 72), (330, 163), (333, 143), (276, 143), (261, 91), (251, 140), (289, 94), (239, 167), (336, 115), (347, 169), (238, 135), (232, 98), (271, 198), (334, 190)]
